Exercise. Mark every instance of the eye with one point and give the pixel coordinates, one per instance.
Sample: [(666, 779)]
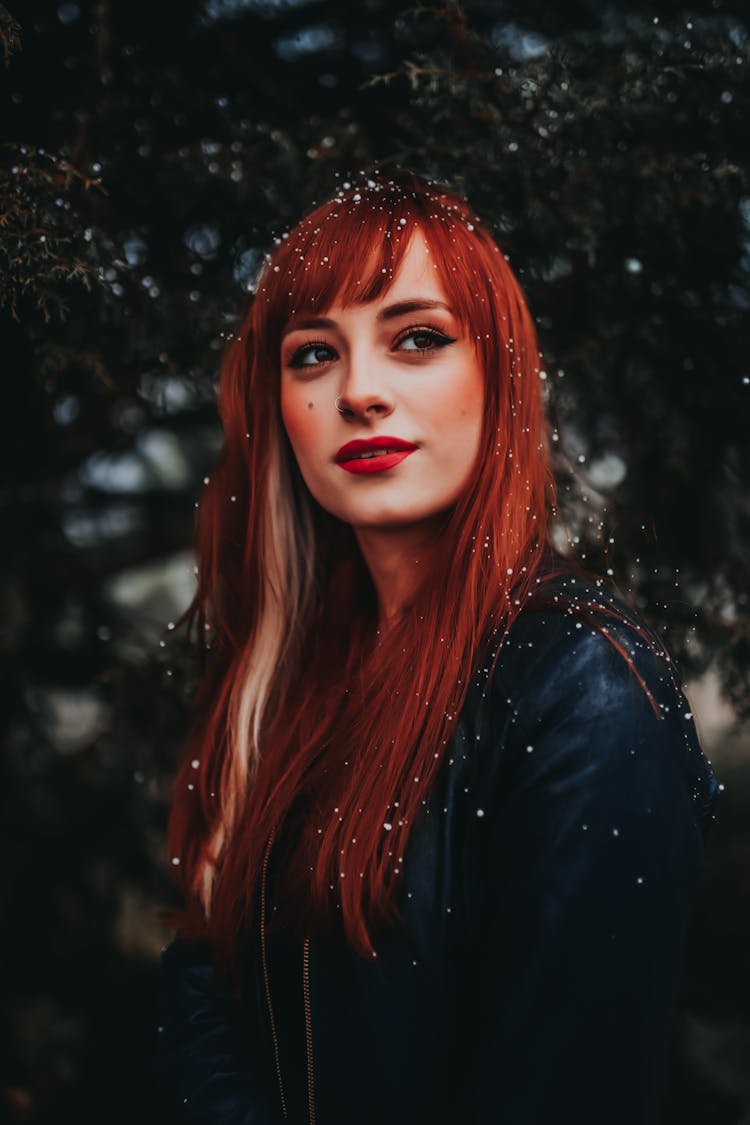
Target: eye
[(315, 347), (424, 339)]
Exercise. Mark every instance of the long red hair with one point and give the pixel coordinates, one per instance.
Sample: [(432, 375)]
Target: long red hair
[(305, 727)]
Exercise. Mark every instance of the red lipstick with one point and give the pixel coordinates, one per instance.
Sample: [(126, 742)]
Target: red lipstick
[(373, 455)]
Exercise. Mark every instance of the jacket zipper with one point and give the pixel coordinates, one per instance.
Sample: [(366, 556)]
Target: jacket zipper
[(308, 1029), (265, 972), (305, 992)]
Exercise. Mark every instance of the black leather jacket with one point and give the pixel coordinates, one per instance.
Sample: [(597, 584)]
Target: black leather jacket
[(533, 976)]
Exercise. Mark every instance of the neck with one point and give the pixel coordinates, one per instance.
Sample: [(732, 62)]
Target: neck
[(398, 559)]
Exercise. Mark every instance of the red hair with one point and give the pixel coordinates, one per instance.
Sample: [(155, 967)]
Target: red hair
[(305, 726)]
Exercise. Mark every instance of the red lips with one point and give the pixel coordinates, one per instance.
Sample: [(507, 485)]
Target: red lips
[(369, 445)]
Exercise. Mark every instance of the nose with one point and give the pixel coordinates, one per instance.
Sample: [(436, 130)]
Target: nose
[(364, 393)]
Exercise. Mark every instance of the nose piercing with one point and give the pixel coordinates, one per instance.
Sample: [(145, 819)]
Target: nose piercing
[(336, 404)]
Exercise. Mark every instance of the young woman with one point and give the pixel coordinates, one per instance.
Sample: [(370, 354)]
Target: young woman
[(443, 806)]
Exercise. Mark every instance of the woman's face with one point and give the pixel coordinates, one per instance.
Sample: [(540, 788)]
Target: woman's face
[(401, 367)]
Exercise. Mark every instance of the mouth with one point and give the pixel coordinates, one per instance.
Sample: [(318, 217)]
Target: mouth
[(364, 449), (375, 462)]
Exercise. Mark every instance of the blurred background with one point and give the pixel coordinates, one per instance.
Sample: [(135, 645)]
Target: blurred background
[(150, 154)]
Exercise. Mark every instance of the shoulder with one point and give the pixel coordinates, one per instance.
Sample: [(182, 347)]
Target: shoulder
[(574, 632), (589, 686)]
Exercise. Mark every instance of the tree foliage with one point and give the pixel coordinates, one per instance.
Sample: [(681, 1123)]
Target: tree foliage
[(146, 167)]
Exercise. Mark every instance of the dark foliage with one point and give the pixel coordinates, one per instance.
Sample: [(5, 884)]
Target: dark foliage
[(149, 158)]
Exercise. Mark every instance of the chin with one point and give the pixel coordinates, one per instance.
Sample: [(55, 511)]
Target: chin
[(392, 517)]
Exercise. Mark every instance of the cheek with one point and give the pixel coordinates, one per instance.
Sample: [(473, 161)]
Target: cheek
[(473, 391), (301, 418), (457, 405)]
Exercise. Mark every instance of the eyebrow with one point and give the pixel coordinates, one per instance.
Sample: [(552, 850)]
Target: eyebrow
[(388, 313)]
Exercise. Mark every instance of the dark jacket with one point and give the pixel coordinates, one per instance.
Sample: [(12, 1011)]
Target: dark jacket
[(533, 976)]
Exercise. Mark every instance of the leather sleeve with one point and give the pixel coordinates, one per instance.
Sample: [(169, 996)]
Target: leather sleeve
[(204, 1061), (591, 843)]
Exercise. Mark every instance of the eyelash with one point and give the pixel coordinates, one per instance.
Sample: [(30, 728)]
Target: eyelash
[(439, 340)]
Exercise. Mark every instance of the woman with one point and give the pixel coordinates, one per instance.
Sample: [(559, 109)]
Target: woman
[(443, 805)]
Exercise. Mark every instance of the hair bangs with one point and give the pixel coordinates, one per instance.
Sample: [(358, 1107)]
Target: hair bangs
[(349, 250)]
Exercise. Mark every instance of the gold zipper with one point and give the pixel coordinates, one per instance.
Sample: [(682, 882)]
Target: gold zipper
[(305, 991), (265, 972), (308, 1029)]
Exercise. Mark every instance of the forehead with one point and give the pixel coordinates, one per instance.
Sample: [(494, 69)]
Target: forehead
[(417, 275)]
